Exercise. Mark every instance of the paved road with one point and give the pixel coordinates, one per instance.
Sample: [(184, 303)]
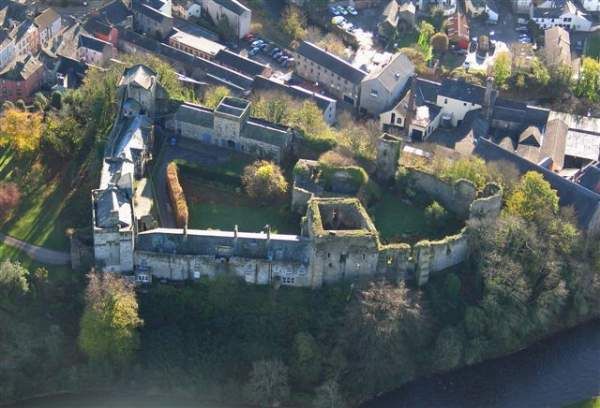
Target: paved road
[(43, 255)]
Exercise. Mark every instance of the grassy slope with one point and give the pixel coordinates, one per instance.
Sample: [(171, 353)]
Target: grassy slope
[(49, 205)]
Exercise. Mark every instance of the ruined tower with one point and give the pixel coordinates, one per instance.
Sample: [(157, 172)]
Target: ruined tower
[(388, 154)]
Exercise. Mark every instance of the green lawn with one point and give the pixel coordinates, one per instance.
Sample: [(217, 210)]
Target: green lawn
[(593, 46), (222, 208), (398, 221), (54, 272), (48, 204)]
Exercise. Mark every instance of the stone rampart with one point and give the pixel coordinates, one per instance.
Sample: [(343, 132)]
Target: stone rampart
[(434, 256)]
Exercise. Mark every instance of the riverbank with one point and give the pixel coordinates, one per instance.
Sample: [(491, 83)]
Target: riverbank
[(554, 372)]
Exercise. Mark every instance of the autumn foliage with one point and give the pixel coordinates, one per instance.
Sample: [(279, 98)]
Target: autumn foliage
[(177, 197), (264, 181), (20, 130), (10, 196)]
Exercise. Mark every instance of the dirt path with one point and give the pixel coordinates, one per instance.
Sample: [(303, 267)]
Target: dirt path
[(43, 255)]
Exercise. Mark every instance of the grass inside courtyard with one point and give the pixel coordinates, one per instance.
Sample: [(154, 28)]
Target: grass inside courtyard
[(399, 221), (216, 207), (49, 202), (216, 200)]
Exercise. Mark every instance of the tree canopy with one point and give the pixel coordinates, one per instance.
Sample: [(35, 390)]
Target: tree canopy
[(20, 130), (532, 198)]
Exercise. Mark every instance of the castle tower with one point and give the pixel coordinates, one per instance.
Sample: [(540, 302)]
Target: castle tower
[(388, 154)]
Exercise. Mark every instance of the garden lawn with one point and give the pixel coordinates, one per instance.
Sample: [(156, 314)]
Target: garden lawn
[(48, 204), (221, 207), (398, 221)]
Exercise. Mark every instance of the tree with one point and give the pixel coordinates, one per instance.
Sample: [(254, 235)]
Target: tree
[(532, 199), (214, 95), (435, 214), (108, 328), (328, 395), (264, 181), (306, 360), (13, 283), (520, 81), (448, 350), (439, 43), (224, 28), (539, 72), (502, 69), (20, 130), (588, 85), (56, 100), (41, 100), (426, 30), (10, 196), (268, 383), (293, 23), (63, 135), (471, 168)]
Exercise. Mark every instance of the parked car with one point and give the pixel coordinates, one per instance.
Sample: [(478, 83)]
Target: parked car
[(249, 37), (522, 29), (352, 10), (342, 10), (275, 51), (256, 43), (277, 55), (338, 20), (333, 10), (282, 59), (263, 46), (253, 51)]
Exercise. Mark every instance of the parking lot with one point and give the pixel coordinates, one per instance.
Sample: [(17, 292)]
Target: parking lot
[(264, 55)]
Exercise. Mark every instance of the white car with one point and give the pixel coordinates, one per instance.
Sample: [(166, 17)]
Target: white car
[(342, 10), (352, 10)]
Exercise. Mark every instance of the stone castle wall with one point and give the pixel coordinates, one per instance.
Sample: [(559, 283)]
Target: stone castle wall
[(456, 197)]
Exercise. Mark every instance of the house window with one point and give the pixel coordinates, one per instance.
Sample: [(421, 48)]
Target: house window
[(464, 103), (288, 280), (445, 101), (374, 93)]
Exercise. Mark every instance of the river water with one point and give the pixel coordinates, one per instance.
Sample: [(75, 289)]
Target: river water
[(555, 372)]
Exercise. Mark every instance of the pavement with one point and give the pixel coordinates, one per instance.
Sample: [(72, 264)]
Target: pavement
[(37, 253)]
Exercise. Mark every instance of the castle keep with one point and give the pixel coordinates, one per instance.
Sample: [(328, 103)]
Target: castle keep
[(338, 239)]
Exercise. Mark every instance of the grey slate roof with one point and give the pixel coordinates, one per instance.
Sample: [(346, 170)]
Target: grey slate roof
[(242, 64), (461, 90), (266, 132), (115, 12), (398, 69), (195, 114), (590, 177), (92, 43), (331, 62)]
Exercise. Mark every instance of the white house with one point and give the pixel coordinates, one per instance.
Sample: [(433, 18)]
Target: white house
[(7, 49), (238, 16), (565, 16), (93, 50)]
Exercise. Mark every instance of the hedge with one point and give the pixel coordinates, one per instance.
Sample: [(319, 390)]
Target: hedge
[(177, 197)]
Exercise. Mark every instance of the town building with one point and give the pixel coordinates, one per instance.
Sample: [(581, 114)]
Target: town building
[(49, 25), (238, 16), (102, 30), (21, 79), (230, 126), (458, 30), (337, 76), (7, 49), (94, 51), (26, 38), (381, 88), (151, 21), (561, 14), (195, 45), (557, 47)]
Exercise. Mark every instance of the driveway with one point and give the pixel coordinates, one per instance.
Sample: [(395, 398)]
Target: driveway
[(39, 254)]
